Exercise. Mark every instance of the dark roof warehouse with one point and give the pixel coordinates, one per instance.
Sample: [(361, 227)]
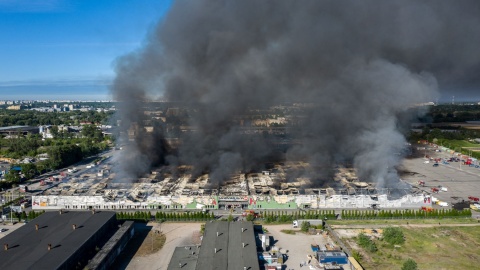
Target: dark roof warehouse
[(57, 241)]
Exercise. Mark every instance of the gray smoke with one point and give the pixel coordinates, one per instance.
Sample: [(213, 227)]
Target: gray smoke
[(355, 65)]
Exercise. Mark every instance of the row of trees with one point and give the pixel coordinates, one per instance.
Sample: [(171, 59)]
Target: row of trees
[(406, 214), (34, 118), (186, 216), (33, 144), (27, 216), (59, 157), (437, 135), (163, 216), (283, 216)]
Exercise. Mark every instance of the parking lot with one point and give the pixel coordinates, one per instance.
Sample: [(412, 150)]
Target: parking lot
[(461, 181)]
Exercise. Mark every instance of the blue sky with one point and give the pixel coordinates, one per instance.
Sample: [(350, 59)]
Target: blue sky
[(56, 49)]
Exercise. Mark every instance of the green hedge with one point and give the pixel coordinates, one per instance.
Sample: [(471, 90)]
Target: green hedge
[(284, 217), (405, 214), (163, 216)]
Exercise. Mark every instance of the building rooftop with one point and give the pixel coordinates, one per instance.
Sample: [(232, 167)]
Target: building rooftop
[(228, 245), (17, 127), (184, 258), (27, 246)]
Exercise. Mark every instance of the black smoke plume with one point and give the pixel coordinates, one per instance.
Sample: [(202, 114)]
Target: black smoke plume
[(354, 66)]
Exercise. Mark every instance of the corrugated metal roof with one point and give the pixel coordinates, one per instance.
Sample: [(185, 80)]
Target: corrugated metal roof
[(232, 248)]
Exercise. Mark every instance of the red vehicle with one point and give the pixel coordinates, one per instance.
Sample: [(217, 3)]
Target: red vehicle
[(435, 190), (475, 199), (421, 183), (250, 212), (427, 209), (467, 162)]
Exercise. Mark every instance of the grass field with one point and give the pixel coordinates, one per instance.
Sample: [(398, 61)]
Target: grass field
[(289, 232), (403, 221), (431, 248), (452, 144), (463, 146)]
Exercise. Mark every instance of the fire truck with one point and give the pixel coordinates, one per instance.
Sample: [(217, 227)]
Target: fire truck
[(250, 212)]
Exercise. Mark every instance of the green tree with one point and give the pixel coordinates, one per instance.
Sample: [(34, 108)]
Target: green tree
[(409, 264), (230, 218), (65, 155), (393, 235), (29, 170), (357, 255), (305, 226), (367, 243), (54, 131), (12, 176)]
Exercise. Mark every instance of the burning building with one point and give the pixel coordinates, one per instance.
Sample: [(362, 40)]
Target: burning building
[(332, 82)]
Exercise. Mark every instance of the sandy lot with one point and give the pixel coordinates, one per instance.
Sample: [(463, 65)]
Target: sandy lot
[(178, 234)]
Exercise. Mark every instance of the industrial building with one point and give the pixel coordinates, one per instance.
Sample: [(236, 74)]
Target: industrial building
[(109, 252), (58, 240), (225, 245), (19, 130), (271, 189), (214, 202)]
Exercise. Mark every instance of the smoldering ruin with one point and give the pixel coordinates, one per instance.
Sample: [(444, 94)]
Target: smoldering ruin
[(304, 90)]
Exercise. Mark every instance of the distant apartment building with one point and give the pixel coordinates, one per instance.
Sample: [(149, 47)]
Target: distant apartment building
[(15, 107)]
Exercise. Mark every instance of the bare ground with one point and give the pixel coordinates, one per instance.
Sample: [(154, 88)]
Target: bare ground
[(176, 234)]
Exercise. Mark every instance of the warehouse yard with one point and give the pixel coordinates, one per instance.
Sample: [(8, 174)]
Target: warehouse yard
[(432, 246), (298, 244)]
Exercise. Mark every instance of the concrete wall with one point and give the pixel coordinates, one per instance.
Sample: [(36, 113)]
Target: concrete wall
[(110, 251)]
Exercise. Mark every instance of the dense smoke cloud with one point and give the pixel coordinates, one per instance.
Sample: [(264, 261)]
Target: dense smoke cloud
[(357, 64)]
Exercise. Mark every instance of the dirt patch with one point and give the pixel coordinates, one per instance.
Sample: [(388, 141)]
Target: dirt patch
[(196, 238), (351, 233), (177, 234), (151, 244), (348, 233)]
